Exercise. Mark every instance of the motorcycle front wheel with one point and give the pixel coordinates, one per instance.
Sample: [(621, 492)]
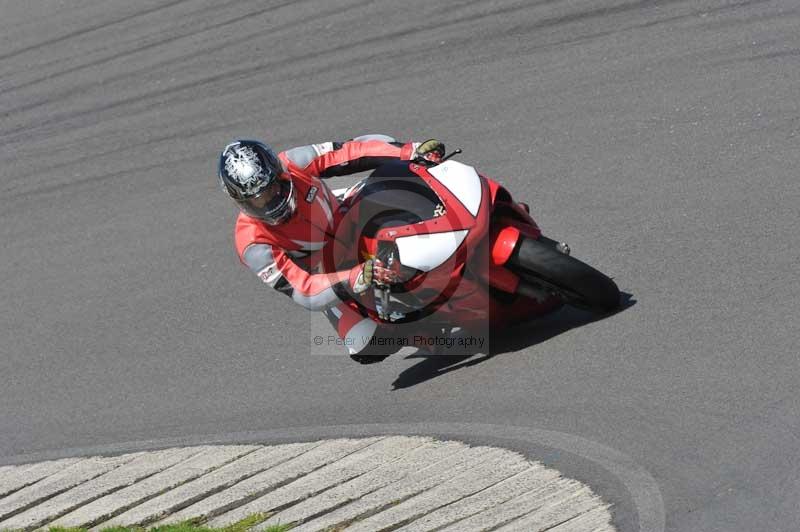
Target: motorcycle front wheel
[(539, 262)]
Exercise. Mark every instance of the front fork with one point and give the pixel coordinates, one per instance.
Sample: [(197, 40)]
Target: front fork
[(383, 294)]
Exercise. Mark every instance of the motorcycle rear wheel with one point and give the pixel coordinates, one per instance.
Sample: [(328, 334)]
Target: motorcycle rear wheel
[(539, 262)]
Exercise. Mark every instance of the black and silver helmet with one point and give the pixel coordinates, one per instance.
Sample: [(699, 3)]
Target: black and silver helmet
[(251, 174)]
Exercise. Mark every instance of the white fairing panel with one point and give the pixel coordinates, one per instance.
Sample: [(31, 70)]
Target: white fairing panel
[(463, 181), (426, 252)]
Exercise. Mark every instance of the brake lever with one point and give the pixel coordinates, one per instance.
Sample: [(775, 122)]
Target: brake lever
[(455, 152)]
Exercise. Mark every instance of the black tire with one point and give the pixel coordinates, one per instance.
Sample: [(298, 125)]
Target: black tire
[(539, 262)]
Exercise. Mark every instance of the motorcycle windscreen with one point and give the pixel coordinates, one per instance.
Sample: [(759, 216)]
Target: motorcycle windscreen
[(393, 196)]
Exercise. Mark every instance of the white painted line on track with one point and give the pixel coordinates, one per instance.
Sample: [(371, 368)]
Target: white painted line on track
[(408, 483)]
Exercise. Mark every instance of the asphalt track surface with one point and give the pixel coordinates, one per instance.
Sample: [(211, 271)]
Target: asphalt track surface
[(660, 139)]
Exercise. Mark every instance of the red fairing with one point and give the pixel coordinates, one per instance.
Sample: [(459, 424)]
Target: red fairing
[(456, 217), (503, 202), (446, 279), (482, 252)]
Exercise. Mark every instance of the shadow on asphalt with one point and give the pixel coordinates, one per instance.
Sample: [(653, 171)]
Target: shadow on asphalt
[(506, 341)]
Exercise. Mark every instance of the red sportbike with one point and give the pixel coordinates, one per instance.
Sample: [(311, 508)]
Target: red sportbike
[(465, 253)]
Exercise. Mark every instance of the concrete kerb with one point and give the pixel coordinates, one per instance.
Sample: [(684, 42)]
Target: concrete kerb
[(328, 482)]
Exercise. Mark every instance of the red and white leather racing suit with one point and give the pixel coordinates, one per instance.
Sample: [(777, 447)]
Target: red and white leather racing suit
[(288, 257)]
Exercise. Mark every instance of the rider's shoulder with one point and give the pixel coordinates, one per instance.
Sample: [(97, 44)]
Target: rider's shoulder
[(250, 230)]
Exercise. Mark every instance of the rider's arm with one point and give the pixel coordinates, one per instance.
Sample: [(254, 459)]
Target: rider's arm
[(343, 158), (312, 291)]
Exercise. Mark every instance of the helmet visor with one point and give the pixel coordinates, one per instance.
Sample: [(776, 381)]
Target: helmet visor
[(274, 204)]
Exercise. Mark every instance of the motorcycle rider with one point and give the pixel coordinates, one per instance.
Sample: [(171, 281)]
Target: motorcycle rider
[(288, 215)]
